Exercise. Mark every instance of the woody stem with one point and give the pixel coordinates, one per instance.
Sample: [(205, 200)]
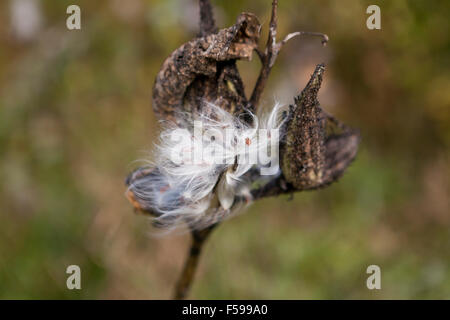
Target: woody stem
[(190, 266), (267, 58), (270, 54)]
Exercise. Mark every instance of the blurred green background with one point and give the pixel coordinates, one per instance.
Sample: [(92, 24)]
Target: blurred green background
[(75, 113)]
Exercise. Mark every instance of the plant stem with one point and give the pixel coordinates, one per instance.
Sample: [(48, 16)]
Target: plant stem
[(270, 54), (190, 266)]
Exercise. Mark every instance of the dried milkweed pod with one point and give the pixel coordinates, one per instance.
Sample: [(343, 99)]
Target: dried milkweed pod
[(203, 69), (311, 157)]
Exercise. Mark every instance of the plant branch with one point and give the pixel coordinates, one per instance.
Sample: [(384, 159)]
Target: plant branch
[(207, 23), (190, 266), (271, 52)]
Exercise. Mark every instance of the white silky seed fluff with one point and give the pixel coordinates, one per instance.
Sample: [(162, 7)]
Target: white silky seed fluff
[(183, 191)]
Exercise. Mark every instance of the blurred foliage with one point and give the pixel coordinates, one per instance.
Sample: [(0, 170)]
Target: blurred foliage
[(75, 112)]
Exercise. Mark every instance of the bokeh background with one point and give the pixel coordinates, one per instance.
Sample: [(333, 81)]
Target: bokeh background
[(75, 112)]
